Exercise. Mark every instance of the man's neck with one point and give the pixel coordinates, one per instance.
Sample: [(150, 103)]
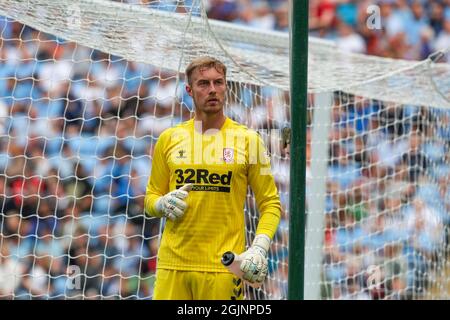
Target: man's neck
[(211, 121)]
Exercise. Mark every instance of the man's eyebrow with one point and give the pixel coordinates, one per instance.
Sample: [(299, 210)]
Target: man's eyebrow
[(215, 79)]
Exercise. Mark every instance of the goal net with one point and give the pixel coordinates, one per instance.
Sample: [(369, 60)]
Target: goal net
[(88, 86), (377, 178)]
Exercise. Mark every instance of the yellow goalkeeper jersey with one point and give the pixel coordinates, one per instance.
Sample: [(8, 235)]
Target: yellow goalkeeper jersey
[(220, 164)]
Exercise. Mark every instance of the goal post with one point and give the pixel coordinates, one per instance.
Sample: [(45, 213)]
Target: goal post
[(299, 79), (316, 196)]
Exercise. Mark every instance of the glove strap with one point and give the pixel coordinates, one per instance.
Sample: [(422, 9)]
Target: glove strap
[(159, 207), (262, 241)]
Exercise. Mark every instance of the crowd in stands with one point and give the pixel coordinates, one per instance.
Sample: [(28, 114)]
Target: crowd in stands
[(388, 200), (401, 29)]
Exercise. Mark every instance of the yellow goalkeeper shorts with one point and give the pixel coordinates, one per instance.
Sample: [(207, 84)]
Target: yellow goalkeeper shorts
[(193, 285)]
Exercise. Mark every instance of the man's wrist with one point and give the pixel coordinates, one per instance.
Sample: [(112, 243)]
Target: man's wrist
[(159, 207)]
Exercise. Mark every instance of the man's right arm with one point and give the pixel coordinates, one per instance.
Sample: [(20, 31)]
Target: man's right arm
[(159, 202), (158, 183)]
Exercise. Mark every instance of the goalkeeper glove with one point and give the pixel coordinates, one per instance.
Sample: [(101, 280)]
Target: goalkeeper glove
[(254, 263), (172, 205)]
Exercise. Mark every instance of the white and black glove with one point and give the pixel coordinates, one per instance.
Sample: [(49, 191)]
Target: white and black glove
[(254, 263), (172, 205)]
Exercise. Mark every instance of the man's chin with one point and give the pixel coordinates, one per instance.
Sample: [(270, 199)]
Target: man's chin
[(213, 109)]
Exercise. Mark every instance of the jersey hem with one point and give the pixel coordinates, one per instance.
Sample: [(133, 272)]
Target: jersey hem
[(192, 268)]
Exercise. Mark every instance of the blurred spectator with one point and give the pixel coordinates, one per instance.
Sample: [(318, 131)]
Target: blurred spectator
[(343, 169), (11, 271), (226, 10), (414, 160), (436, 10), (426, 236), (425, 227), (263, 18), (442, 41), (36, 280), (349, 40), (354, 291)]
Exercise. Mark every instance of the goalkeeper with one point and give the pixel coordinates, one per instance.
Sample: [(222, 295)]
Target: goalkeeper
[(200, 173)]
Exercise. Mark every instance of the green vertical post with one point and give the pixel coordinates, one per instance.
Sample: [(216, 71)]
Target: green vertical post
[(298, 94)]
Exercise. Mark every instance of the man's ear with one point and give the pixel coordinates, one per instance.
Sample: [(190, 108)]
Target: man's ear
[(189, 90)]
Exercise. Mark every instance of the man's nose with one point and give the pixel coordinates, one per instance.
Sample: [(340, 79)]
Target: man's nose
[(212, 87)]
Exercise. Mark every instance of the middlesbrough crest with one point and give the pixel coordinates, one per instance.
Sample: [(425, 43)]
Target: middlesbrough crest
[(228, 155)]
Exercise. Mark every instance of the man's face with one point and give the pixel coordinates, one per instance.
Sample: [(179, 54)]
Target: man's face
[(207, 89)]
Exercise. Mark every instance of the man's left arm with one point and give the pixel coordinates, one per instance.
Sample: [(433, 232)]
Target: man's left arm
[(254, 260), (262, 182)]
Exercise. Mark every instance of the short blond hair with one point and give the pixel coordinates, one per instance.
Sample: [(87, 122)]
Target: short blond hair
[(204, 62)]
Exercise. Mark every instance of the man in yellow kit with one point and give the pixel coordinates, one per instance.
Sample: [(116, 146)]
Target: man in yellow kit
[(200, 173)]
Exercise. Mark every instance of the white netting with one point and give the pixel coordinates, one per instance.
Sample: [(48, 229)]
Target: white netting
[(78, 127), (386, 209), (131, 31)]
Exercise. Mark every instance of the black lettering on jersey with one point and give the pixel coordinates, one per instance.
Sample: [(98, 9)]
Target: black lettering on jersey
[(203, 180), (226, 178), (191, 174), (202, 176), (180, 178), (200, 187), (214, 178)]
